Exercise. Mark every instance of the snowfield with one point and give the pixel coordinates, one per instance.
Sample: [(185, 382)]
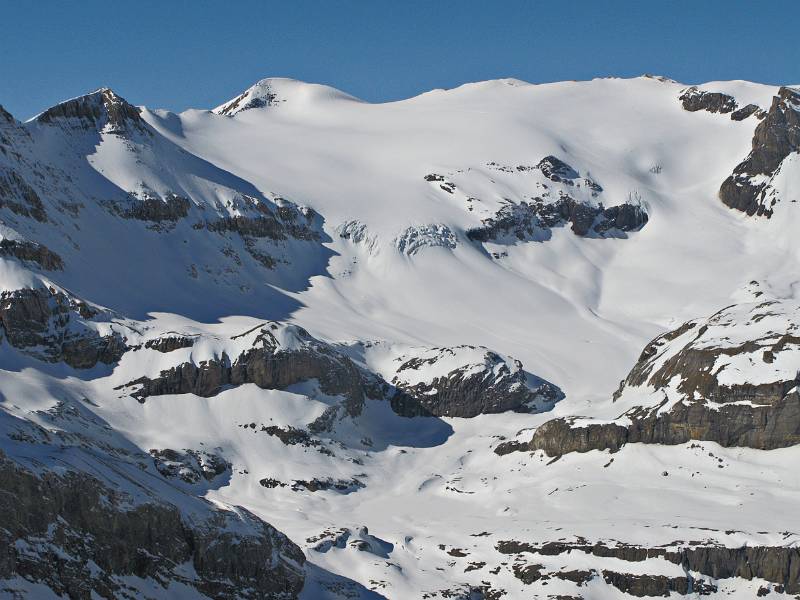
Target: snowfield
[(274, 309)]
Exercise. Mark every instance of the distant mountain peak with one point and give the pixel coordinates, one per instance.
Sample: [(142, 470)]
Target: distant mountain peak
[(274, 91), (5, 115)]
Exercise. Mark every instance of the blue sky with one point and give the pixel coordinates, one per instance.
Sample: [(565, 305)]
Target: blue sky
[(173, 54)]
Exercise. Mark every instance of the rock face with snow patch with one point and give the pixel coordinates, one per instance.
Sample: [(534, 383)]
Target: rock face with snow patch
[(466, 381), (694, 99), (55, 326), (84, 539), (275, 356), (732, 379), (776, 565), (565, 199), (534, 220), (102, 109), (749, 188), (258, 96)]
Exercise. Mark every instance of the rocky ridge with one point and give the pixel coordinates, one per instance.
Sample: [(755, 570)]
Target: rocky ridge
[(731, 379), (750, 187)]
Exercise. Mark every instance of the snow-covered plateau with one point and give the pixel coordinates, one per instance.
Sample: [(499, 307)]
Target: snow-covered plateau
[(503, 341)]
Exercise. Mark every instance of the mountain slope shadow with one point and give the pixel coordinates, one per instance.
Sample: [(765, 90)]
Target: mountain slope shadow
[(153, 217), (322, 584)]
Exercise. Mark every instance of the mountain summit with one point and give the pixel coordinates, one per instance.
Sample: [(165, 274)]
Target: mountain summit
[(102, 109), (275, 91)]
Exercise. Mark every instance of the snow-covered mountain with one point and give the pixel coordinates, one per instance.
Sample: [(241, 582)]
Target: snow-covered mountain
[(501, 341)]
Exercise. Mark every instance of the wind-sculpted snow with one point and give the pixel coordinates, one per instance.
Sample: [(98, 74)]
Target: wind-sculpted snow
[(297, 313)]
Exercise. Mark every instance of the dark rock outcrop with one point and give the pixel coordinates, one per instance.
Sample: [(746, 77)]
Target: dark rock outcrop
[(524, 220), (170, 343), (694, 99), (19, 197), (269, 366), (777, 136), (84, 540), (5, 115), (656, 585), (777, 564), (764, 427), (744, 112), (32, 252), (157, 210), (52, 326), (259, 96), (487, 384), (690, 362), (317, 484), (284, 221), (190, 466), (557, 170)]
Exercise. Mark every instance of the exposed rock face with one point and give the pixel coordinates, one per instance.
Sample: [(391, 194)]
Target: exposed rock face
[(190, 466), (52, 326), (342, 486), (85, 540), (462, 381), (157, 210), (271, 363), (557, 170), (32, 252), (694, 99), (564, 435), (466, 381), (5, 115), (731, 379), (744, 112), (102, 110), (524, 220), (289, 222), (259, 96), (285, 221), (776, 564), (748, 188), (170, 343), (19, 197)]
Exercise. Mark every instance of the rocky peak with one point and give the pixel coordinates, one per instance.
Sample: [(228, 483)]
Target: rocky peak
[(748, 188), (5, 115), (777, 136), (102, 109), (275, 91), (260, 95)]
